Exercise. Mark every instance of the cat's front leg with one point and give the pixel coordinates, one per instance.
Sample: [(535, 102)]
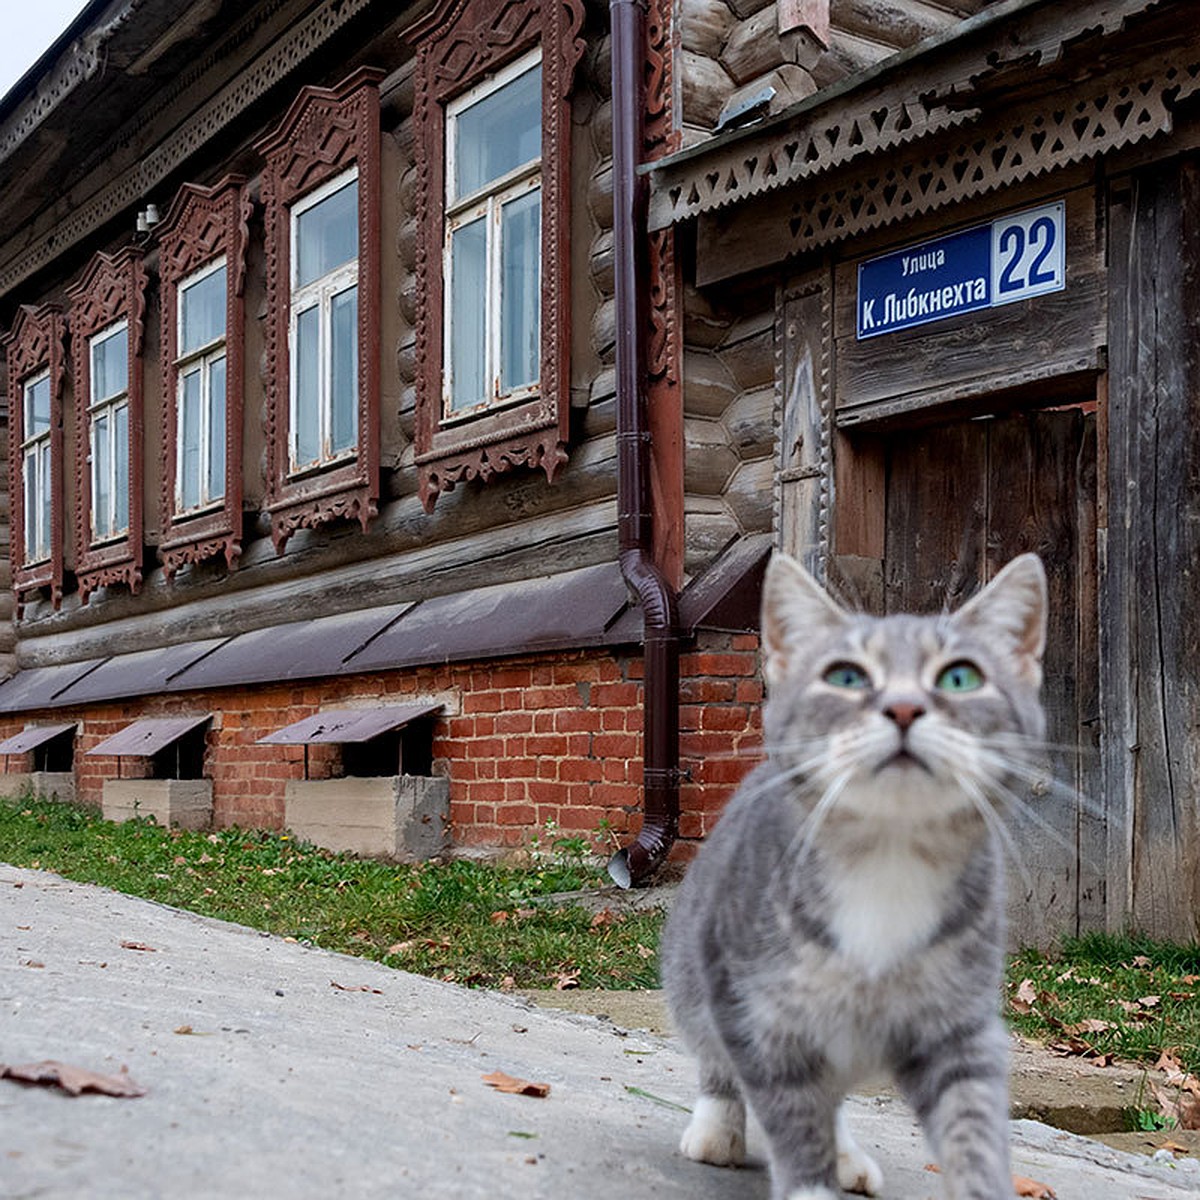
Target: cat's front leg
[(857, 1171), (716, 1133), (798, 1118), (959, 1090)]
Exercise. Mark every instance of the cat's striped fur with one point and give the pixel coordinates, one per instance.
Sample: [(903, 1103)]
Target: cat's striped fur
[(845, 918)]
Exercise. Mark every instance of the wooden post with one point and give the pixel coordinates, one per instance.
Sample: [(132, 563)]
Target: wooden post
[(812, 15)]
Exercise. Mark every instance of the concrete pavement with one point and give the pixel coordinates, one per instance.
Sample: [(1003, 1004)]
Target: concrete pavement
[(289, 1087)]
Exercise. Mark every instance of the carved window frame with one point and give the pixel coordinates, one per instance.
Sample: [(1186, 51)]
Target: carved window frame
[(112, 289), (204, 225), (458, 45), (36, 345), (324, 133)]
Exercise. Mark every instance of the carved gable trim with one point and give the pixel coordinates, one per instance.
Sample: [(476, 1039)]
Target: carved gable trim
[(36, 343), (459, 43), (203, 225), (111, 288), (326, 131)]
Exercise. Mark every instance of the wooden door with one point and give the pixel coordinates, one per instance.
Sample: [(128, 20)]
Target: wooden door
[(961, 500)]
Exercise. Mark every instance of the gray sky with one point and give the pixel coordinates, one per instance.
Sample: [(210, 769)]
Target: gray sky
[(29, 28)]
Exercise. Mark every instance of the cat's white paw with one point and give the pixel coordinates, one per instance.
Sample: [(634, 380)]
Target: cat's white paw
[(813, 1193), (716, 1133), (857, 1171)]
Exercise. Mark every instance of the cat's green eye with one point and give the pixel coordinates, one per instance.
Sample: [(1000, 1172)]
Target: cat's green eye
[(960, 677), (847, 675)]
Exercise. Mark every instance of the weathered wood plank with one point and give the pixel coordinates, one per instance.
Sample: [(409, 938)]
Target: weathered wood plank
[(1150, 676)]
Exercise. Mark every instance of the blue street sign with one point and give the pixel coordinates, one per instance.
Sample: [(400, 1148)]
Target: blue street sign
[(1009, 259)]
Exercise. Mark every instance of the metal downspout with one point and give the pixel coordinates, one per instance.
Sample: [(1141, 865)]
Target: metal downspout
[(660, 822)]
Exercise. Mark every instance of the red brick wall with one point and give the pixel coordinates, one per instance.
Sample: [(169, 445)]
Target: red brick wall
[(550, 738)]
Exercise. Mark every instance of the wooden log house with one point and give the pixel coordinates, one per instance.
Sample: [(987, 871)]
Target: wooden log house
[(406, 398)]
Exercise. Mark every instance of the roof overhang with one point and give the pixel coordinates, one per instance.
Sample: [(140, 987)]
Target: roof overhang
[(35, 736), (1006, 57), (348, 725), (148, 735)]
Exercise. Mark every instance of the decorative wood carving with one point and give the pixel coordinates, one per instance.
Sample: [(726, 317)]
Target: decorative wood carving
[(36, 343), (661, 133), (1098, 117), (204, 224), (457, 44), (326, 131), (111, 288)]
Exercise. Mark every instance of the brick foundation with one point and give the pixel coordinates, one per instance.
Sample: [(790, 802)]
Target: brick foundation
[(523, 741)]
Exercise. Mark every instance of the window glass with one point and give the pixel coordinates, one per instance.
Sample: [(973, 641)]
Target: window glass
[(37, 406), (45, 500), (101, 477), (343, 433), (110, 363), (121, 471), (520, 291), (31, 507), (216, 430), (468, 315), (202, 311), (306, 424), (327, 234), (499, 133), (189, 439)]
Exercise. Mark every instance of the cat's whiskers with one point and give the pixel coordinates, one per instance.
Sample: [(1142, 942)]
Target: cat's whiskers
[(995, 824)]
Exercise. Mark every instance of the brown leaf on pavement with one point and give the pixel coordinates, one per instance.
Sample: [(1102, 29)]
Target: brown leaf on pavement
[(512, 1086), (1031, 1187), (138, 946), (356, 987), (72, 1080)]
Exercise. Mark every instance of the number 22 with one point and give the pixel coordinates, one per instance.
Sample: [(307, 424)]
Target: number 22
[(1012, 241)]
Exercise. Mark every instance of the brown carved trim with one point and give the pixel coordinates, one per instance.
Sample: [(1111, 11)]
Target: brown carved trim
[(36, 343), (457, 44), (661, 134), (111, 288), (326, 131), (204, 224)]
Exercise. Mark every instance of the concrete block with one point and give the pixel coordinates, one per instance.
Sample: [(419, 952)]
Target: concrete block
[(401, 817), (183, 802), (42, 785)]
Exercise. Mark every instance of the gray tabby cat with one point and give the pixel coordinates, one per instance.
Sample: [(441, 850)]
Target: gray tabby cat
[(845, 918)]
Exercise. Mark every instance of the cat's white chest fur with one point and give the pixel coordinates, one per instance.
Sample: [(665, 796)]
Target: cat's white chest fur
[(888, 901)]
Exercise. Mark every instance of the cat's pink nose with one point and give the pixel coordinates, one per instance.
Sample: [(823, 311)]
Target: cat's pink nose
[(903, 714)]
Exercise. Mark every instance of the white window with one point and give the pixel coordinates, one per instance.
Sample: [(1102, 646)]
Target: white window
[(35, 460), (108, 412), (200, 359), (492, 256), (323, 329)]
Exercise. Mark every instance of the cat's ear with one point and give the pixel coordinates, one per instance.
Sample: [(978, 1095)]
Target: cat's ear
[(1013, 608), (796, 611)]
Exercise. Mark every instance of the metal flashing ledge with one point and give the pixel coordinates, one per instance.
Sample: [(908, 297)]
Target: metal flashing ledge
[(571, 610)]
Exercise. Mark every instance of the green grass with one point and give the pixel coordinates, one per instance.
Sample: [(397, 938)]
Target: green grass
[(1129, 997), (469, 922)]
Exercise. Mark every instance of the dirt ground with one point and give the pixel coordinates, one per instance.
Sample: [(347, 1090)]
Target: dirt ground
[(1068, 1093)]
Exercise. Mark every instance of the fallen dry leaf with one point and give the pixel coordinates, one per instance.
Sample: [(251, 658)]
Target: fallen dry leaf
[(1025, 997), (512, 1086), (1090, 1025), (138, 946), (356, 987), (1021, 1185), (1150, 1001), (1031, 1187), (72, 1080), (565, 980)]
